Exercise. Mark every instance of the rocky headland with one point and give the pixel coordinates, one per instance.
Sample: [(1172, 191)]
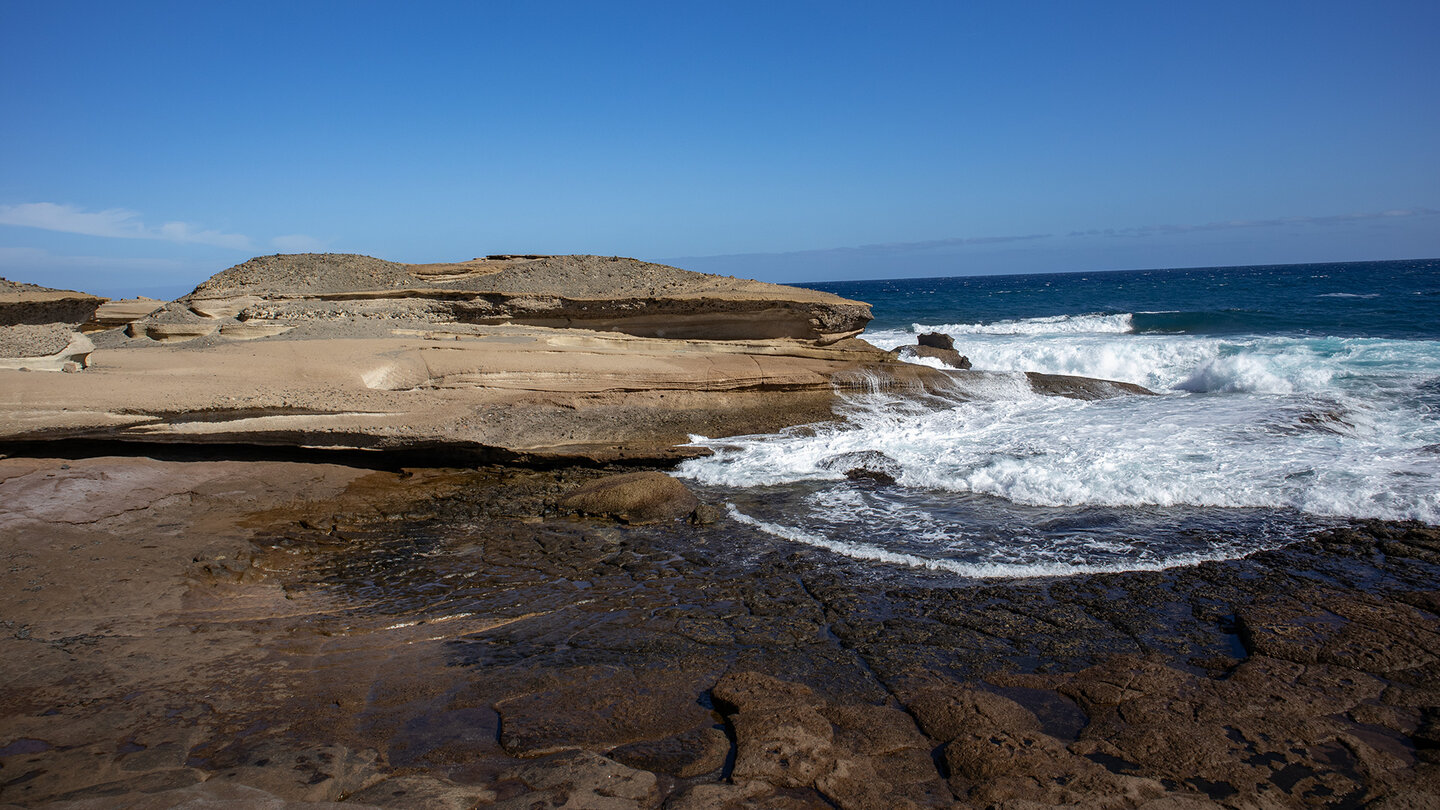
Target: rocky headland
[(506, 358), (337, 532)]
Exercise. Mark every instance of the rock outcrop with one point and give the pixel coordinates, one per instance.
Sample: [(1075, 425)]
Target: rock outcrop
[(505, 358), (935, 346), (123, 312), (39, 327), (598, 293)]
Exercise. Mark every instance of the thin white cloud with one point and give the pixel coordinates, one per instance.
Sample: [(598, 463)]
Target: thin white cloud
[(945, 246), (1335, 219), (297, 243), (26, 259), (117, 223), (883, 249)]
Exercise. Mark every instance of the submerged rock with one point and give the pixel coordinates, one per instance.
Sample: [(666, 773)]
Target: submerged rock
[(865, 464), (1066, 385)]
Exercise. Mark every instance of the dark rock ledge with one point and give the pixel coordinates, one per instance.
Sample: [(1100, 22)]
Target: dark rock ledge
[(447, 638)]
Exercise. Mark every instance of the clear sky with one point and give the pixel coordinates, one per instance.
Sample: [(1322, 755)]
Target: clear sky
[(145, 146)]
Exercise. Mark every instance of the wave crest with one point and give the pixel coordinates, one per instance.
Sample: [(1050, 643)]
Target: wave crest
[(1092, 323)]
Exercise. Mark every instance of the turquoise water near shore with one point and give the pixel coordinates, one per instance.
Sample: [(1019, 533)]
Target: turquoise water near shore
[(1290, 397)]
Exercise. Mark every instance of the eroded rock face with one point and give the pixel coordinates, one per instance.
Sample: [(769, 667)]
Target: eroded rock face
[(599, 293), (513, 358), (120, 313), (22, 303), (949, 357), (39, 327)]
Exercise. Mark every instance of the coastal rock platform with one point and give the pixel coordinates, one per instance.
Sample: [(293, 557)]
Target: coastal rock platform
[(335, 531), (182, 633)]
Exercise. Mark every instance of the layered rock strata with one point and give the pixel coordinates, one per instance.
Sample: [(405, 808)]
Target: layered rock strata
[(524, 359), (598, 293), (39, 327)]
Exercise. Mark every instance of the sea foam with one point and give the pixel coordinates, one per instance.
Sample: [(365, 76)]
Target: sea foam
[(1324, 426), (977, 569), (1258, 423)]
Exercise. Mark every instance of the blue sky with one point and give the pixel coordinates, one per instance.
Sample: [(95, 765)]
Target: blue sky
[(146, 146)]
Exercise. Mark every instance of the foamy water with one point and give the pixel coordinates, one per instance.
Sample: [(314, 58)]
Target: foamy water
[(1289, 425)]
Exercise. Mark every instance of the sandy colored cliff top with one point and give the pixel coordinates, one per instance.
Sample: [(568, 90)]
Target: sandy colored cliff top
[(576, 277)]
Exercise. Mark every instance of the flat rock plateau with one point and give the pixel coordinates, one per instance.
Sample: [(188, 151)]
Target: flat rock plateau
[(337, 532)]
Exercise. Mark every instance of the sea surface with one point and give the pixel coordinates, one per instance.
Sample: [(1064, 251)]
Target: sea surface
[(1290, 398)]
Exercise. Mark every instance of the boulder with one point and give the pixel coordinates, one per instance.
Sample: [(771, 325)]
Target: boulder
[(640, 497), (869, 465), (949, 357), (936, 340)]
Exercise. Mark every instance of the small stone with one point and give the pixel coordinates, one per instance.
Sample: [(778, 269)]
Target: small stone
[(704, 515)]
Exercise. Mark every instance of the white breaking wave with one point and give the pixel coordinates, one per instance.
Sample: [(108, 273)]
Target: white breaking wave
[(1196, 364), (867, 551), (1155, 362), (1325, 426), (1053, 325), (1259, 374)]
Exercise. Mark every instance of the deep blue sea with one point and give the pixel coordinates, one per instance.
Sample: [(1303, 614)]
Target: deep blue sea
[(1290, 398)]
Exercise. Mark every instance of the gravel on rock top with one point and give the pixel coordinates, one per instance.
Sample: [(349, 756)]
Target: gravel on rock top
[(576, 277), (305, 273)]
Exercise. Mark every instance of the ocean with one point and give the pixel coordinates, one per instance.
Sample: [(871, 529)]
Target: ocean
[(1290, 398)]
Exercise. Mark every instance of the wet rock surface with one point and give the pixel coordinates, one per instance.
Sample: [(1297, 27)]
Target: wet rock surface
[(949, 357), (451, 638)]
